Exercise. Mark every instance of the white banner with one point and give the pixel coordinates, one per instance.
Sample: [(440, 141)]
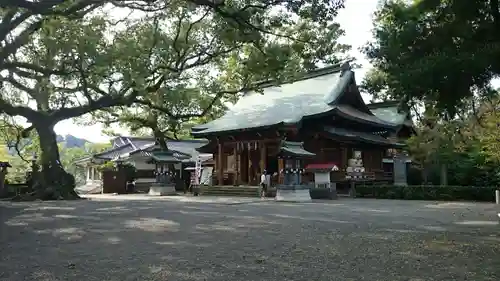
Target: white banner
[(197, 170)]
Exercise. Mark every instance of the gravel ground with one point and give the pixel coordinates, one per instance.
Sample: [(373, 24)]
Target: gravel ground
[(172, 240)]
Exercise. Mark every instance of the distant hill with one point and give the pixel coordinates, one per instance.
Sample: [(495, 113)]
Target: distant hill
[(72, 141), (68, 141)]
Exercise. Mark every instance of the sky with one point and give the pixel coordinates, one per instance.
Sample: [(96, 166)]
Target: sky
[(355, 19)]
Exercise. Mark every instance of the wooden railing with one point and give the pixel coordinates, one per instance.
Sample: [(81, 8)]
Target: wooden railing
[(338, 176), (371, 175), (17, 188)]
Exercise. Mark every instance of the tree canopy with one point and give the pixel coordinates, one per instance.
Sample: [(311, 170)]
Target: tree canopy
[(438, 52), (207, 66), (439, 58), (64, 59)]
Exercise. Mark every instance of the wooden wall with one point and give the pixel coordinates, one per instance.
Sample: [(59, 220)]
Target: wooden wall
[(327, 151)]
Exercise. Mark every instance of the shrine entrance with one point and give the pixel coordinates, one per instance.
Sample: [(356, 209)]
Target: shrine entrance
[(254, 169), (272, 165)]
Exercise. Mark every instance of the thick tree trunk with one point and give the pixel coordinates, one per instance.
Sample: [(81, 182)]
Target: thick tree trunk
[(160, 138), (52, 182), (3, 190), (425, 174)]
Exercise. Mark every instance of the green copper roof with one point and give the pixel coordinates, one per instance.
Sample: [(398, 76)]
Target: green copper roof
[(390, 112), (361, 137), (168, 156), (290, 102), (296, 149)]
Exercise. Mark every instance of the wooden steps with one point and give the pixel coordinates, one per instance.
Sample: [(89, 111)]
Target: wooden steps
[(236, 191)]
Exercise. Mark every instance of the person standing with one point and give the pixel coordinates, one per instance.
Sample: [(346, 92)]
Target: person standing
[(263, 184)]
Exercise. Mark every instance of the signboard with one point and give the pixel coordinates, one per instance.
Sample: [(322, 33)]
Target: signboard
[(206, 176), (197, 171)]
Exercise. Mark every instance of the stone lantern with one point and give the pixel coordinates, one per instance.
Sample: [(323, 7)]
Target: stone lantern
[(3, 173), (292, 189), (164, 161)]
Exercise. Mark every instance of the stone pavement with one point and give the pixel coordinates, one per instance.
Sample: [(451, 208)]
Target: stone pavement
[(178, 198), (348, 239)]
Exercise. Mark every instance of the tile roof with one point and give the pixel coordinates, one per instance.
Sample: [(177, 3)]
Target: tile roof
[(114, 153), (125, 146), (390, 112), (170, 155), (167, 156), (290, 103), (296, 149), (322, 167), (186, 147), (361, 136)]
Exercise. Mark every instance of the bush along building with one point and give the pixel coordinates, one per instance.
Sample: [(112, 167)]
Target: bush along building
[(138, 152), (318, 119)]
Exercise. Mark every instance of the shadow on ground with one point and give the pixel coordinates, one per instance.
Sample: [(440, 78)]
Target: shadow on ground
[(155, 240)]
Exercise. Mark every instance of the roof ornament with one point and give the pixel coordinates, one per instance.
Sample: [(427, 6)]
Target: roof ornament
[(345, 66)]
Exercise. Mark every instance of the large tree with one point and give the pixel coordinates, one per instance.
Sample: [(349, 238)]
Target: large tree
[(60, 61), (199, 90), (437, 52), (436, 55)]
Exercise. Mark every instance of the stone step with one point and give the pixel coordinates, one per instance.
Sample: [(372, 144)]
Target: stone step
[(221, 194), (230, 191)]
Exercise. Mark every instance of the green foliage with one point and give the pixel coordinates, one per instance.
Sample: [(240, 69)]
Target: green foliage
[(442, 56), (70, 155), (16, 150), (162, 68), (427, 192), (437, 52), (108, 165), (464, 148), (489, 137), (203, 62), (19, 152)]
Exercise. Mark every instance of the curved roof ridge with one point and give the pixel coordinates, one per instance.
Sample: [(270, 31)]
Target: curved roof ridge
[(329, 69)]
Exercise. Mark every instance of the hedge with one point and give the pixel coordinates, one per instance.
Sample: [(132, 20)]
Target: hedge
[(427, 192), (322, 193)]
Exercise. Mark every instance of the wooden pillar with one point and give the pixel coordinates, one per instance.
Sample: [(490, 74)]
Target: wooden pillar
[(236, 179), (344, 157), (3, 172), (263, 156), (371, 162), (321, 144), (220, 163), (240, 166), (249, 171), (382, 156), (281, 166)]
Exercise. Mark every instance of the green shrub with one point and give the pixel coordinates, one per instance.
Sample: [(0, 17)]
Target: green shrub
[(427, 192), (322, 193)]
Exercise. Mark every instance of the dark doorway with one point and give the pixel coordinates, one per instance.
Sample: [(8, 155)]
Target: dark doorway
[(114, 181), (244, 165), (272, 165)]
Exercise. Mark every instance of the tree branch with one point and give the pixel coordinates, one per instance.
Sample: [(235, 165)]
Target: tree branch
[(104, 101), (495, 11), (204, 112)]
